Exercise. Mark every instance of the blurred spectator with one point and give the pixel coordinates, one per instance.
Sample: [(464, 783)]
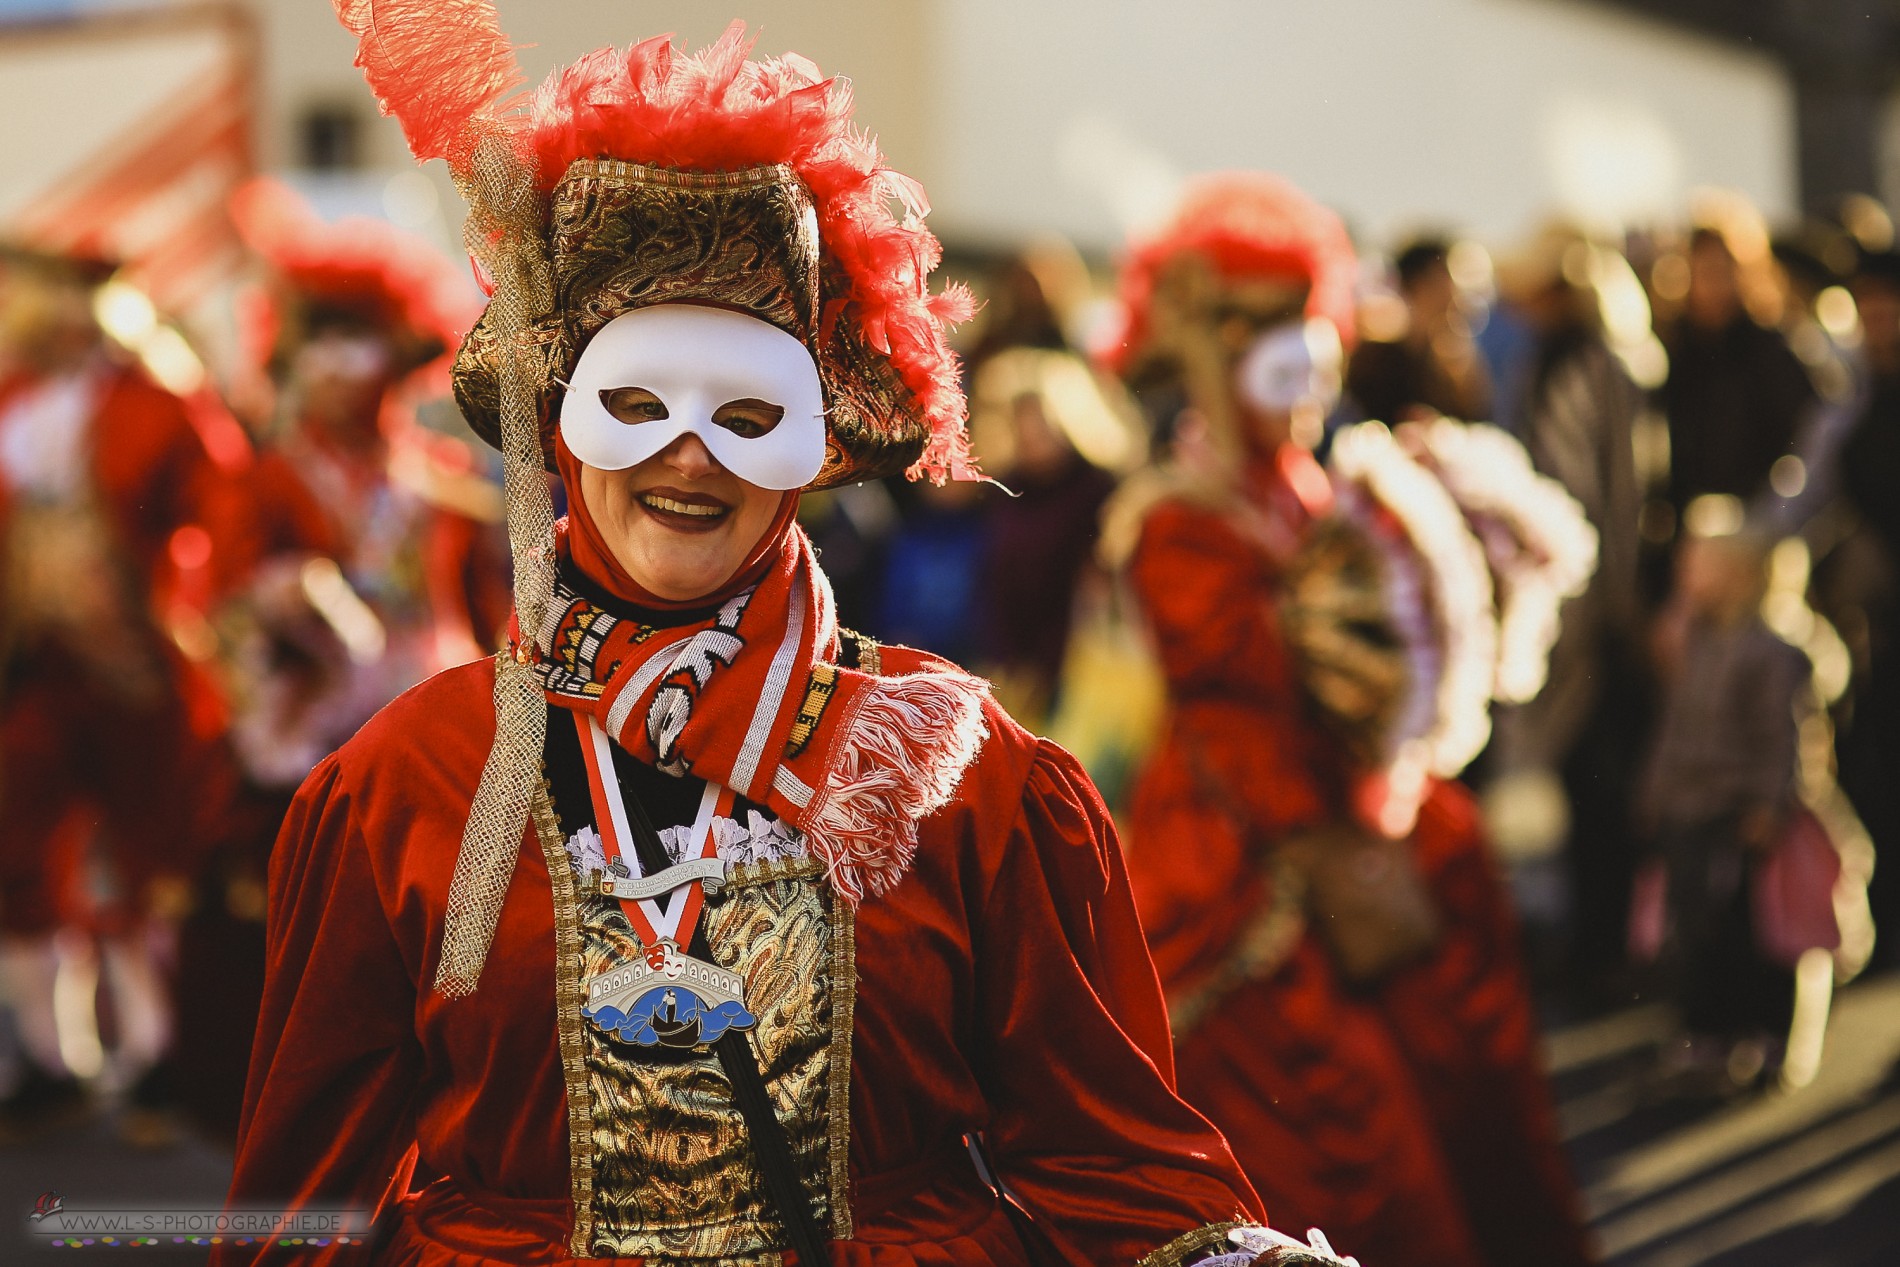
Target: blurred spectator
[(1056, 437), (1719, 787), (1819, 324), (1578, 413), (923, 564), (1871, 459), (1432, 366), (851, 529), (1032, 301), (930, 594), (1859, 584), (1816, 259), (1736, 392), (1563, 765)]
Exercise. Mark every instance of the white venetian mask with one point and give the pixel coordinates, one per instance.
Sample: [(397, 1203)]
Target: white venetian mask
[(654, 374), (1292, 363)]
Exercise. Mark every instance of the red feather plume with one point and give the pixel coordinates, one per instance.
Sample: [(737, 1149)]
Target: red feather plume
[(435, 65), (1246, 225)]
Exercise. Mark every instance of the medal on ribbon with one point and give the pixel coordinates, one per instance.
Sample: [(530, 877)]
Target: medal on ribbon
[(666, 997)]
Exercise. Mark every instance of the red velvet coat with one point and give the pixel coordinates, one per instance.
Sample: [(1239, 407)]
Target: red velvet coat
[(142, 760), (1363, 1115), (1003, 985)]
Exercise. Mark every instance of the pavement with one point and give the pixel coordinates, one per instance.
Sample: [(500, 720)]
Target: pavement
[(1803, 1178), (1792, 1178)]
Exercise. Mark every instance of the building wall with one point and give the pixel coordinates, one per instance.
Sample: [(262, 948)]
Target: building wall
[(1081, 116), (1479, 114), (881, 44)]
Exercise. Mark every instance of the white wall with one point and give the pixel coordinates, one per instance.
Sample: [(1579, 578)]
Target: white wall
[(59, 118), (1078, 115), (1482, 114), (878, 43)]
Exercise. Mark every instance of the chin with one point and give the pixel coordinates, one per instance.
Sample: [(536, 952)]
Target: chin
[(678, 579)]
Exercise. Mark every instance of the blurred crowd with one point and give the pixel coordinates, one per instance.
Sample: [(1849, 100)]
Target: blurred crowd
[(1714, 395), (211, 579)]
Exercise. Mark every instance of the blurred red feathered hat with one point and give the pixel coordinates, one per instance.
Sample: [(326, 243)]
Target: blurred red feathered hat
[(358, 268), (653, 176), (1234, 228)]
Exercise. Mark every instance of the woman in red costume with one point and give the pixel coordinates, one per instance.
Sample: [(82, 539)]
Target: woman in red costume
[(693, 928), (1372, 1055)]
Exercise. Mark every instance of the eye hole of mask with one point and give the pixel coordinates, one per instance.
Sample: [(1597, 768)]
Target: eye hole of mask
[(633, 404), (749, 418)]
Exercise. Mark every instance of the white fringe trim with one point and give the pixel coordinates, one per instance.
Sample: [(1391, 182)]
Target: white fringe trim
[(901, 757)]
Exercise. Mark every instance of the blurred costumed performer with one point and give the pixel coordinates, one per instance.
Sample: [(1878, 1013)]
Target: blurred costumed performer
[(111, 739), (692, 927), (372, 557), (1310, 889), (360, 320)]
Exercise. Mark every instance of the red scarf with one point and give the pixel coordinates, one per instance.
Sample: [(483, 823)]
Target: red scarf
[(751, 698)]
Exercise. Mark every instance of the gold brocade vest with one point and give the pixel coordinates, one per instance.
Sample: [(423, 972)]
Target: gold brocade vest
[(662, 1163)]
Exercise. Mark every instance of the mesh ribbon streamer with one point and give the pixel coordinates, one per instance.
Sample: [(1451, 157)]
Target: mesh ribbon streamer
[(503, 233)]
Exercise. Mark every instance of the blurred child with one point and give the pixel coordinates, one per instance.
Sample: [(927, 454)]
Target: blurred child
[(1717, 792)]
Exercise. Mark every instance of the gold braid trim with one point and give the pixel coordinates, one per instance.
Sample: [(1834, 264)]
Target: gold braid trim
[(844, 997), (1264, 944), (766, 174), (824, 681), (567, 1014), (870, 656), (1190, 1245)]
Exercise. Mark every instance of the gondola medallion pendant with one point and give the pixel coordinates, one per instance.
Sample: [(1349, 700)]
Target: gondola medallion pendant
[(666, 997)]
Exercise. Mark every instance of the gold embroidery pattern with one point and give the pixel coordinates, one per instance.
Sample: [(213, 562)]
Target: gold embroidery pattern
[(567, 1012), (674, 1172), (824, 680), (1190, 1245)]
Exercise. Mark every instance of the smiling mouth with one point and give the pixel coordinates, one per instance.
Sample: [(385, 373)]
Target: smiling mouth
[(679, 513)]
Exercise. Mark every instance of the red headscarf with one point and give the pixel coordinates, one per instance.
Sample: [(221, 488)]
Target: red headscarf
[(588, 548)]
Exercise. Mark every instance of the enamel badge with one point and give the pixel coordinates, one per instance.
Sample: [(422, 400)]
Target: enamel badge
[(667, 999)]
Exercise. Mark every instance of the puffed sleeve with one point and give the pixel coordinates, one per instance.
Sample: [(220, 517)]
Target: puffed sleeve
[(1087, 1129), (328, 1109)]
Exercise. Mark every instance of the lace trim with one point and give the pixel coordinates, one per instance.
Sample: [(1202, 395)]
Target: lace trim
[(759, 840)]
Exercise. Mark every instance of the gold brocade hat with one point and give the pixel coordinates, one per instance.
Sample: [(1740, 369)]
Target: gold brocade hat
[(628, 235)]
